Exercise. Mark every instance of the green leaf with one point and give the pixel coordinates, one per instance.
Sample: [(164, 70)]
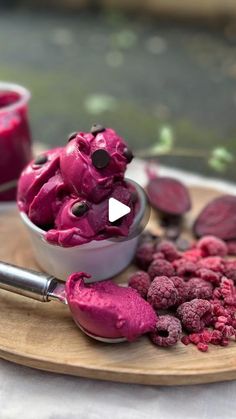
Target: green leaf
[(220, 159), (165, 142), (217, 165), (222, 154)]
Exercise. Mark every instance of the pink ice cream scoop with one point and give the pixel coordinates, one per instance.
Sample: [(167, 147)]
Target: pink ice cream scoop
[(35, 175), (107, 310), (79, 221), (104, 310), (90, 163)]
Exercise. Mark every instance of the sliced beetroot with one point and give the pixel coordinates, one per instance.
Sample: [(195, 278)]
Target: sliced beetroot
[(168, 195), (218, 218)]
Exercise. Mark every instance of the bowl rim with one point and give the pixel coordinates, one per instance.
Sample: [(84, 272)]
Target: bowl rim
[(37, 231)]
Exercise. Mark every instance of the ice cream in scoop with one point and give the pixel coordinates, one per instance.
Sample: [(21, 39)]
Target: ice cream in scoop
[(107, 310), (65, 191)]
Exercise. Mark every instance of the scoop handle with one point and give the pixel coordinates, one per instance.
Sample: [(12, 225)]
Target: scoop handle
[(26, 282)]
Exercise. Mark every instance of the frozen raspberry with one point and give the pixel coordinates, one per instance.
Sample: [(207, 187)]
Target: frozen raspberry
[(162, 293), (198, 288), (230, 269), (226, 292), (144, 254), (209, 275), (160, 267), (182, 289), (212, 246), (214, 263), (184, 268), (193, 255), (195, 338), (200, 339), (185, 340), (206, 336), (158, 255), (203, 347), (140, 281), (195, 314), (216, 337), (231, 247), (168, 249), (168, 331)]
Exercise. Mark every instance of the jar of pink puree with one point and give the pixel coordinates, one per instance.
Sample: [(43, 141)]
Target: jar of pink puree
[(15, 137)]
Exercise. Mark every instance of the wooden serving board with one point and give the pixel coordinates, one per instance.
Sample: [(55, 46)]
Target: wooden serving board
[(44, 336)]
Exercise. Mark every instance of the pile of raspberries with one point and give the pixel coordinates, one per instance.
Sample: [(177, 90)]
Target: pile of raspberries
[(193, 291)]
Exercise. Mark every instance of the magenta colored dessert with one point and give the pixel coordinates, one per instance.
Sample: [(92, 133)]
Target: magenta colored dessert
[(65, 191), (93, 224), (108, 310), (86, 177), (15, 142)]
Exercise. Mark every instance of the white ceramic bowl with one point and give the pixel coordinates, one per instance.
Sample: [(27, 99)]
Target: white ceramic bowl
[(102, 259)]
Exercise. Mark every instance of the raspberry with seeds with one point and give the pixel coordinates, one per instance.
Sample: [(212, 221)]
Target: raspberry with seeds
[(198, 288), (168, 331), (182, 289), (160, 267), (195, 314), (140, 281), (203, 347), (185, 340), (169, 250), (226, 292), (212, 246), (193, 255), (214, 263), (162, 293), (158, 255), (144, 254), (185, 268), (209, 276)]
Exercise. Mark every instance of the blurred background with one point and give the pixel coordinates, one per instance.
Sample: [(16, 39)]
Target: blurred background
[(161, 72)]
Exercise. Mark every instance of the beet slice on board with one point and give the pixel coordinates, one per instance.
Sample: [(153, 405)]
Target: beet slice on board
[(168, 195), (217, 218)]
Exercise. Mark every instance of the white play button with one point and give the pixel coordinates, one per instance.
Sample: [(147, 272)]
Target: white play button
[(116, 210)]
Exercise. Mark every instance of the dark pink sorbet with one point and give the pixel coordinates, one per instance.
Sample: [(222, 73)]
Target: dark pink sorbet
[(78, 170), (65, 191), (108, 310)]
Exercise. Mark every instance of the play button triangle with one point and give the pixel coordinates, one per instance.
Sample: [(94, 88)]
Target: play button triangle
[(116, 210)]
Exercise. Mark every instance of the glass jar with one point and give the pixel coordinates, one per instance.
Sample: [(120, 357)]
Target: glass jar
[(15, 137)]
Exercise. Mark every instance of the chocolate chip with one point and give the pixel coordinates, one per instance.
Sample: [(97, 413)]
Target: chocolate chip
[(96, 128), (71, 136), (101, 158), (79, 208), (40, 160), (128, 154)]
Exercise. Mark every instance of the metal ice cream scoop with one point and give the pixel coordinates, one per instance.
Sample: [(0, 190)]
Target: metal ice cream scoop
[(39, 286)]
